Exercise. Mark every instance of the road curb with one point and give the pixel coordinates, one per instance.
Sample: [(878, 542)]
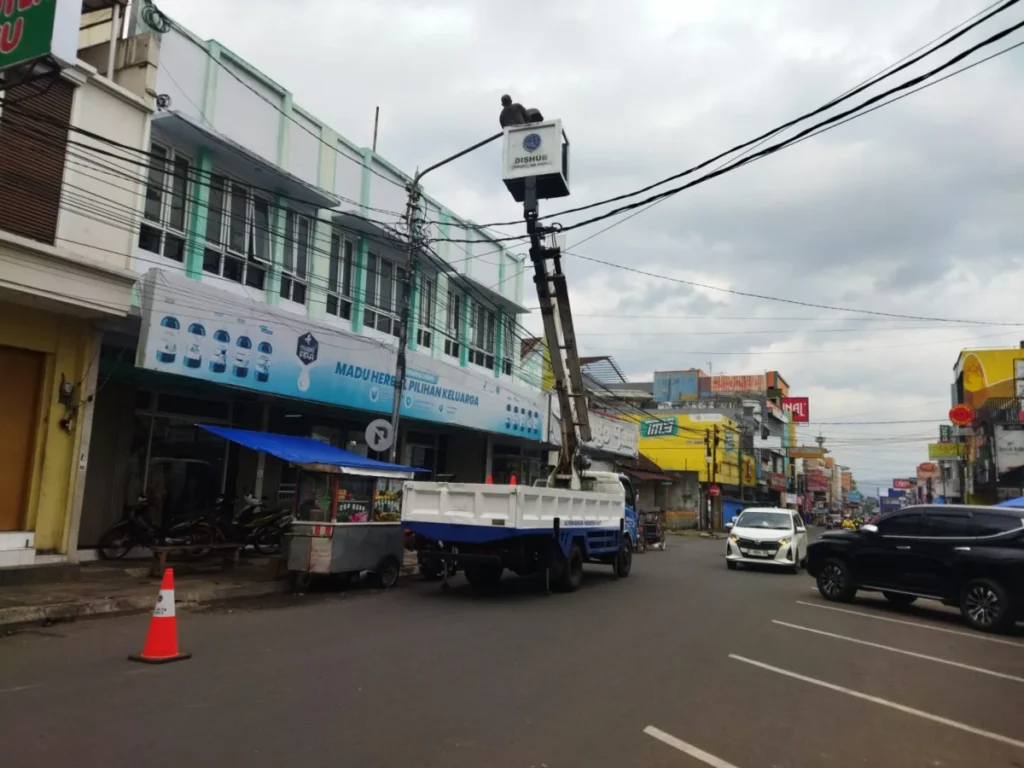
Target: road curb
[(186, 598)]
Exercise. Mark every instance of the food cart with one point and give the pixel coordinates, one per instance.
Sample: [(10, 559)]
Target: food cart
[(343, 517)]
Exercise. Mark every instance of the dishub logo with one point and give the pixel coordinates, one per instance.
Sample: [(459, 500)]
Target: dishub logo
[(531, 143)]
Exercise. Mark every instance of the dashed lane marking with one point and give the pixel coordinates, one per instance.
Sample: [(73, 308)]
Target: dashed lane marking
[(687, 749), (883, 702), (936, 659)]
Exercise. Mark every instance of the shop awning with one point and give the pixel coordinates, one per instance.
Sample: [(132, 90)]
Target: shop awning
[(308, 452), (640, 474)]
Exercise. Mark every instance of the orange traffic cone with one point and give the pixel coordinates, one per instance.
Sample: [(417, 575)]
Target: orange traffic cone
[(490, 480), (162, 641), (512, 481)]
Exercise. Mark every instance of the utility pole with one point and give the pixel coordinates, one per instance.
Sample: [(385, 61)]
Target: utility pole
[(714, 474), (412, 220)]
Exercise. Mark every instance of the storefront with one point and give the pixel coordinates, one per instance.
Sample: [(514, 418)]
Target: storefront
[(45, 368), (281, 374)]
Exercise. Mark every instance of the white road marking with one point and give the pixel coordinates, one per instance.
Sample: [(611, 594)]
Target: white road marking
[(18, 688), (936, 659), (883, 702), (687, 749), (919, 625)]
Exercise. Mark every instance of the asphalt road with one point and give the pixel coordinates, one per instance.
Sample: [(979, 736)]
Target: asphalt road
[(683, 664)]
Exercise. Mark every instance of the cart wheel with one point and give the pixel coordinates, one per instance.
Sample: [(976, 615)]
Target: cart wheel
[(388, 570), (301, 581)]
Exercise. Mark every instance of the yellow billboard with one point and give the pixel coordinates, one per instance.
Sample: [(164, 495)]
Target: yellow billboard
[(990, 373), (676, 442), (943, 451)]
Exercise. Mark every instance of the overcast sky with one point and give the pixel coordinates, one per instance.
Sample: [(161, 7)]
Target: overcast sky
[(916, 209)]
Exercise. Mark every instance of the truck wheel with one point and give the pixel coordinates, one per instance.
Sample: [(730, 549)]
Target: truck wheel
[(484, 576), (430, 569), (986, 606), (388, 571), (624, 561), (572, 570)]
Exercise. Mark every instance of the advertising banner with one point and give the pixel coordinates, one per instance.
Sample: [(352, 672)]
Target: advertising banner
[(33, 29), (777, 481), (816, 481), (1009, 449), (799, 409), (903, 483), (670, 386), (944, 451), (192, 330), (734, 385), (610, 434), (945, 433)]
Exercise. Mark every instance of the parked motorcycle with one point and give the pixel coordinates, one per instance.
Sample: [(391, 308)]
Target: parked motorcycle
[(256, 526), (137, 529)]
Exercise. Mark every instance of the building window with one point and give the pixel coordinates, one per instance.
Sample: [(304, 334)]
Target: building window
[(298, 237), (237, 234), (165, 214), (481, 335), (510, 343), (384, 283), (339, 277), (453, 324), (425, 333)]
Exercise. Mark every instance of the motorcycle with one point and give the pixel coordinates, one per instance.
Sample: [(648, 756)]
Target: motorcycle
[(254, 525), (137, 529)]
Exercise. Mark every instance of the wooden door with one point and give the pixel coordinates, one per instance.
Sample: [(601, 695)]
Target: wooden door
[(20, 382)]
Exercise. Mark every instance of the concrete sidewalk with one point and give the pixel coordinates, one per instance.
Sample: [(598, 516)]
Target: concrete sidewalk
[(108, 589), (98, 589)]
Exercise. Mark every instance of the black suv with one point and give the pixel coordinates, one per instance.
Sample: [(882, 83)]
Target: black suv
[(967, 556)]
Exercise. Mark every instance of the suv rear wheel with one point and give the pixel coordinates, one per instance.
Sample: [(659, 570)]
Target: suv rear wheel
[(834, 581), (985, 605)]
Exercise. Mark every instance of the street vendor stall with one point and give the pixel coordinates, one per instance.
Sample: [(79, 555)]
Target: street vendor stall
[(343, 517)]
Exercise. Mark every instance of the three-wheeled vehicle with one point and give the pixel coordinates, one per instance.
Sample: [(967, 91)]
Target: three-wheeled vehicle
[(651, 531)]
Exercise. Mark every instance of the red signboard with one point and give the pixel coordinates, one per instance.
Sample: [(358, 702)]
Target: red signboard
[(816, 481), (902, 483), (798, 408), (961, 415), (714, 490), (776, 481)]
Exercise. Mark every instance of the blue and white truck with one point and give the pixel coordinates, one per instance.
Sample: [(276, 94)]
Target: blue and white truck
[(578, 516)]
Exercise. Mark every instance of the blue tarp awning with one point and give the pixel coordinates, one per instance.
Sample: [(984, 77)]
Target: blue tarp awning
[(306, 450), (1017, 502)]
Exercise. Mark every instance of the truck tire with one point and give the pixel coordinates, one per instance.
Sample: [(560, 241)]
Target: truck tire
[(571, 575), (624, 560), (484, 576)]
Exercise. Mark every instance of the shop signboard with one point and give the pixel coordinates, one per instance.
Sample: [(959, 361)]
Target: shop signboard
[(609, 434), (799, 409), (944, 451), (945, 433), (1009, 448), (735, 385), (903, 483), (815, 481), (34, 29), (193, 330), (776, 481)]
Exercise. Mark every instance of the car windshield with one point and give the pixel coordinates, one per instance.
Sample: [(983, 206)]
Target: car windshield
[(774, 520)]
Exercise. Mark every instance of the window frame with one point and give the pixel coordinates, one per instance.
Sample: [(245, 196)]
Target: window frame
[(903, 516), (453, 323), (425, 316), (483, 322), (341, 276), (509, 342), (296, 256), (372, 291), (253, 268), (162, 226)]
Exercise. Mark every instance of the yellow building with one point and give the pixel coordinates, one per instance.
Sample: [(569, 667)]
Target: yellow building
[(989, 373), (676, 442)]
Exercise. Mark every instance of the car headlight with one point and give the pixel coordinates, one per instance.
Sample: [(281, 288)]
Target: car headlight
[(783, 542), (734, 539)]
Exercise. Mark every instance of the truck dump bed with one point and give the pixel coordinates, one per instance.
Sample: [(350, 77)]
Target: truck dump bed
[(479, 512)]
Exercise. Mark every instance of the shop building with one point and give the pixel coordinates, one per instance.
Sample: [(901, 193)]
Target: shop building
[(271, 273), (64, 270)]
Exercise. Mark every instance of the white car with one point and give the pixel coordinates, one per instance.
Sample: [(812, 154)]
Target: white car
[(767, 536)]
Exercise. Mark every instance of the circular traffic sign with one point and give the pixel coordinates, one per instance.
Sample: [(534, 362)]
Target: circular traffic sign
[(379, 435), (714, 490)]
